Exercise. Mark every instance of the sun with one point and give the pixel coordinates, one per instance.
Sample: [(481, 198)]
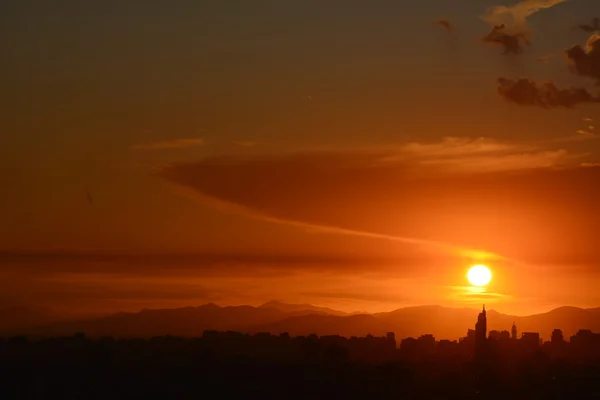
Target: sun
[(479, 275)]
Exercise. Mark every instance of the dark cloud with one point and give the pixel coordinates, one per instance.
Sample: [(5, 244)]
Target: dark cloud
[(527, 92), (594, 26), (514, 214), (511, 42), (586, 61), (199, 265), (170, 144), (365, 295)]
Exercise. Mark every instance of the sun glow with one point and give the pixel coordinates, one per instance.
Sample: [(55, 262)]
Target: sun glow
[(479, 275)]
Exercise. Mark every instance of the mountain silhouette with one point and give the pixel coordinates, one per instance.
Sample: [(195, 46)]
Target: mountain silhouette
[(21, 317), (300, 319), (285, 307)]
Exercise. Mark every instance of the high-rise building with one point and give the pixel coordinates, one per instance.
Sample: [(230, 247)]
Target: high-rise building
[(531, 338), (557, 336), (391, 338), (481, 333), (494, 335), (513, 332), (481, 326), (499, 335)]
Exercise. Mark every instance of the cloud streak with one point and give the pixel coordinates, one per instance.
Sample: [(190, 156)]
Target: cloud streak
[(170, 144), (593, 26), (446, 24), (418, 198), (244, 143), (463, 155)]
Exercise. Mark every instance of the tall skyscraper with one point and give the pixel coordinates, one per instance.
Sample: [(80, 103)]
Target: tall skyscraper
[(481, 333), (513, 332), (557, 337), (481, 326)]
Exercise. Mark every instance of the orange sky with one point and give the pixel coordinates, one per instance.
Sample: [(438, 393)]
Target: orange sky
[(348, 155)]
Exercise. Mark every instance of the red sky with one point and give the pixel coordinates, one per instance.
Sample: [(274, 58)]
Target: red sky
[(348, 155)]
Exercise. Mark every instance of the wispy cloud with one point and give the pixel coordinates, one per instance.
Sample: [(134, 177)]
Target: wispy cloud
[(593, 26), (586, 134), (455, 146), (244, 143), (170, 144), (506, 162), (546, 58), (427, 198), (479, 155), (446, 24)]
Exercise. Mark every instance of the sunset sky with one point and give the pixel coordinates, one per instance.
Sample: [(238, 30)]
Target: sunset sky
[(350, 154)]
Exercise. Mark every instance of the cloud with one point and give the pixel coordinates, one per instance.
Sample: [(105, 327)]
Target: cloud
[(586, 61), (511, 162), (170, 144), (594, 26), (477, 155), (454, 146), (546, 59), (509, 24), (527, 92), (586, 134), (363, 295), (446, 24), (511, 42), (199, 265), (467, 201), (515, 17), (244, 143)]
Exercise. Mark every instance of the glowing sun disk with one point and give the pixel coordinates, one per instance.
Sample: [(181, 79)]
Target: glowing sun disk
[(479, 275)]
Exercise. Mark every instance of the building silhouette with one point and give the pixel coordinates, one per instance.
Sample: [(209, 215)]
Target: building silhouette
[(481, 326), (531, 338), (481, 333), (499, 335), (513, 331), (557, 336), (391, 338)]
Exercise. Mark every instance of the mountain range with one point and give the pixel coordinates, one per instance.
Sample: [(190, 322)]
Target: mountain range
[(296, 319)]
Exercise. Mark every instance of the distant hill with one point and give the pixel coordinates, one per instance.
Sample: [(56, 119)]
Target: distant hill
[(299, 319), (569, 319), (24, 318), (443, 322), (187, 321), (285, 307)]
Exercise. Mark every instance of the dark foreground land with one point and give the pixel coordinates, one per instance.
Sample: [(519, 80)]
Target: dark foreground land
[(236, 366)]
